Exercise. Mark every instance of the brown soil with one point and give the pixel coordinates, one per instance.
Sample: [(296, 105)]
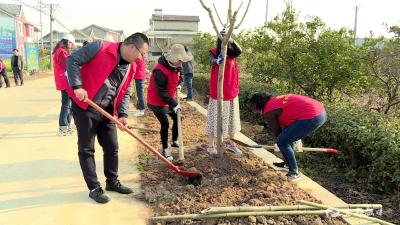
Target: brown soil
[(227, 181)]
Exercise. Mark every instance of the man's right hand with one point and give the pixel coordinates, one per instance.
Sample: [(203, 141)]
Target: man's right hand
[(81, 94)]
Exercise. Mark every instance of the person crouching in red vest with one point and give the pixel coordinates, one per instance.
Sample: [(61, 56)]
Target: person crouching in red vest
[(161, 92), (291, 117), (102, 72)]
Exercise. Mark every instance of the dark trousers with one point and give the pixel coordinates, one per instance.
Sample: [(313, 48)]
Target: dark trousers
[(90, 123), (3, 73), (65, 112), (161, 113), (18, 76), (139, 93), (294, 132)]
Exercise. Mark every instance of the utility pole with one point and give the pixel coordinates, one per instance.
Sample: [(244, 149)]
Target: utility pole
[(51, 34), (355, 22), (266, 12), (41, 24)]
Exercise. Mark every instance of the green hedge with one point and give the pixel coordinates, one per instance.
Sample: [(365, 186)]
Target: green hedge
[(369, 143)]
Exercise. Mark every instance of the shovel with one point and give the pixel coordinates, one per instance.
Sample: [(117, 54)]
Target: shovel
[(194, 176), (303, 149)]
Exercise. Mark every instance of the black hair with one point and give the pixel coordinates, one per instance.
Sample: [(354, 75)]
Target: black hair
[(257, 100), (63, 42), (138, 39), (15, 49), (85, 43)]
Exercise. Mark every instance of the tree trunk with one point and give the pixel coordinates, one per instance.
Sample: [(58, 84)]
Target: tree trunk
[(220, 102)]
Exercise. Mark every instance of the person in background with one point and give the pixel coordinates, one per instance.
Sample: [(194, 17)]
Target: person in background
[(164, 81), (3, 73), (140, 78), (231, 115), (60, 54), (291, 117), (187, 70), (17, 66), (102, 72)]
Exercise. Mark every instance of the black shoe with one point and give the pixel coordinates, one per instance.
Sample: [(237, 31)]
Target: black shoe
[(188, 99), (281, 166), (175, 144), (118, 187), (98, 195)]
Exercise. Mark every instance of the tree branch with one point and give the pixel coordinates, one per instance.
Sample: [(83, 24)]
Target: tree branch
[(219, 18), (211, 17), (244, 15)]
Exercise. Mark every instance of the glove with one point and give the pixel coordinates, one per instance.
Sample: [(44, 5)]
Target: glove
[(176, 108), (179, 87), (220, 59)]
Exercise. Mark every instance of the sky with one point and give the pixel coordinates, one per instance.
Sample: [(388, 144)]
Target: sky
[(133, 15)]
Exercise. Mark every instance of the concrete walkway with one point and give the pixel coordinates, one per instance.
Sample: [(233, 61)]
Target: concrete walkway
[(40, 180)]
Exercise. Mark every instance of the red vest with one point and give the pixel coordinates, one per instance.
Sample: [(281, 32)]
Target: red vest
[(231, 78), (172, 82), (60, 66), (294, 107), (140, 69), (98, 69), (2, 66)]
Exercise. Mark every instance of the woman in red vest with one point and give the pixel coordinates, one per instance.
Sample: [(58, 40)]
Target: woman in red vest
[(3, 73), (161, 92), (230, 115), (291, 117), (60, 55)]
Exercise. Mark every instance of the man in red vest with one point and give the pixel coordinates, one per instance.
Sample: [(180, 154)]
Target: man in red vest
[(164, 81), (102, 72)]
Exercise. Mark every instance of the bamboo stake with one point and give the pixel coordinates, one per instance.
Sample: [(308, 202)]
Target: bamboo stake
[(179, 121), (345, 212), (245, 214), (281, 208)]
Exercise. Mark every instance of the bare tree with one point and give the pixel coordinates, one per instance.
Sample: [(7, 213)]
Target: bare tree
[(385, 67), (231, 25)]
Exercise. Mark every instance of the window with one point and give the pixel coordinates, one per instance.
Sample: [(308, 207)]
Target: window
[(21, 29)]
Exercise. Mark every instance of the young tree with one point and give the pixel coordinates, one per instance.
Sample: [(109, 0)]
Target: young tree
[(231, 25)]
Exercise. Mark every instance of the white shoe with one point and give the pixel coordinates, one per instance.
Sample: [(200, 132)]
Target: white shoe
[(138, 113), (235, 150), (212, 150), (167, 154)]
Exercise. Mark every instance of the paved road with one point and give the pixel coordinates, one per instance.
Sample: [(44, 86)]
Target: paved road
[(40, 177)]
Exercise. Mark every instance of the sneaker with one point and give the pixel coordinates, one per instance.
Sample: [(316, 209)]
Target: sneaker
[(63, 131), (281, 166), (212, 150), (175, 144), (293, 176), (188, 99), (235, 150), (138, 113), (118, 187), (98, 195), (167, 154)]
